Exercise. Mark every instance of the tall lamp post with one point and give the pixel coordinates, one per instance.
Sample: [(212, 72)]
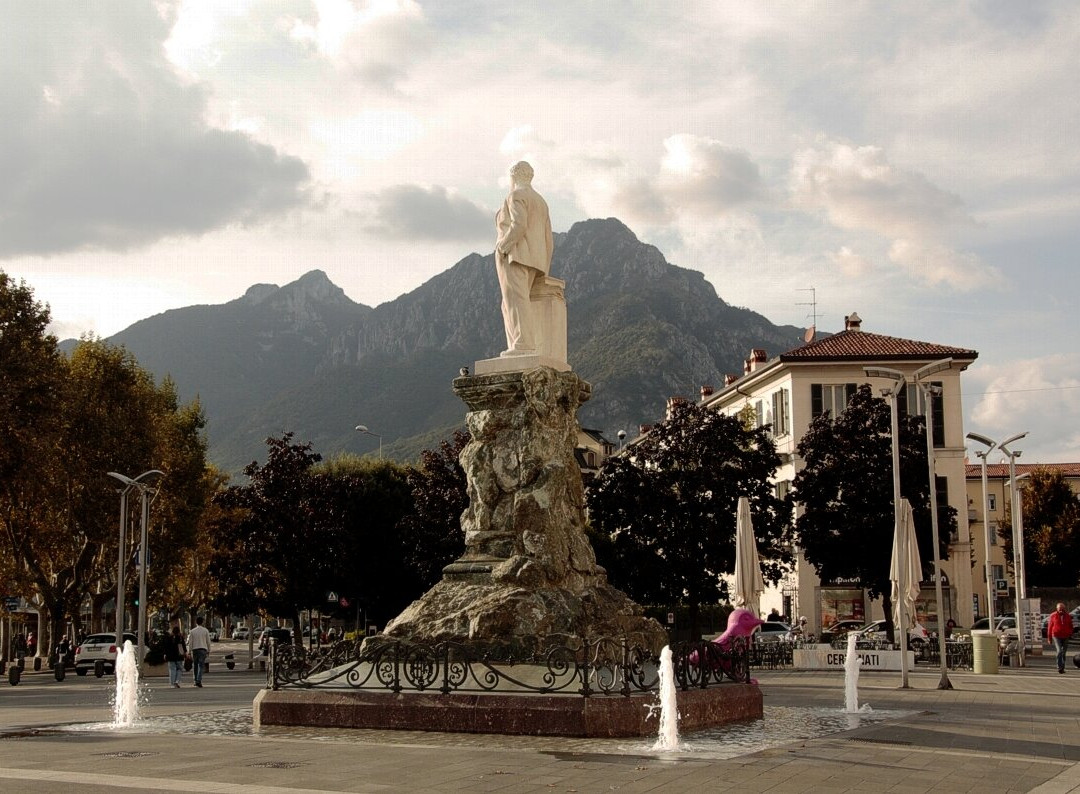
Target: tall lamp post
[(1017, 540), (930, 391), (364, 429), (991, 445), (892, 393), (148, 494)]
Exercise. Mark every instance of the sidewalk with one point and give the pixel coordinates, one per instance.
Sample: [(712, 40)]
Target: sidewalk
[(1017, 731)]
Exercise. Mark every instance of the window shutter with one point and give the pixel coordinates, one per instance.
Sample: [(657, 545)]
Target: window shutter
[(939, 417), (816, 408)]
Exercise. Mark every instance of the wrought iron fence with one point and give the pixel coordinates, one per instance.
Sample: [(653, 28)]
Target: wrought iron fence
[(604, 666)]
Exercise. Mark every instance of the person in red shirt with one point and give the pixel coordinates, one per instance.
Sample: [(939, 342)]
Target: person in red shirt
[(1058, 630)]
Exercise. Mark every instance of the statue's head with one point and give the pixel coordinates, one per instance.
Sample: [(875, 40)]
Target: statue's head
[(521, 172)]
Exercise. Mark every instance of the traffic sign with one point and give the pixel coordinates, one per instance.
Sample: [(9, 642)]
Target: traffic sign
[(331, 597)]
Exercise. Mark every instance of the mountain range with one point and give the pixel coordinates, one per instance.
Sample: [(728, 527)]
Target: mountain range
[(305, 358)]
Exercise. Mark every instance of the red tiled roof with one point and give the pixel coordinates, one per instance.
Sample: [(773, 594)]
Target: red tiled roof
[(999, 470), (860, 345)]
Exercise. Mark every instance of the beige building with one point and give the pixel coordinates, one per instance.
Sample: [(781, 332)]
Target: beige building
[(1000, 511), (793, 388)]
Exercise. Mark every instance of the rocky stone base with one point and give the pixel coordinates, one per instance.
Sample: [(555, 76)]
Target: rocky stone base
[(609, 716), (524, 621)]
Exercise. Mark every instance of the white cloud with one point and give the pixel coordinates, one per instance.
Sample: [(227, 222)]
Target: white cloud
[(850, 264), (103, 146), (413, 212), (1040, 394), (940, 265), (704, 176), (371, 41), (859, 189)]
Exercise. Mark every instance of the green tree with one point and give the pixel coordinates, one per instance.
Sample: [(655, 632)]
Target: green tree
[(432, 533), (361, 505), (846, 492), (664, 510), (1051, 516), (268, 553), (112, 417)]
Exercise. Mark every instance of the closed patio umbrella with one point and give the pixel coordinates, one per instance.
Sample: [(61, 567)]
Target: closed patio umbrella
[(749, 584), (905, 571)]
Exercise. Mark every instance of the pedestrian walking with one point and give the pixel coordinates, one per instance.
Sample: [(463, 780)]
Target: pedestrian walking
[(198, 643), (175, 653), (1058, 630)]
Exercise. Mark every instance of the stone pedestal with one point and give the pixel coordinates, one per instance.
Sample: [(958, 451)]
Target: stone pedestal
[(549, 310), (528, 579), (608, 716)]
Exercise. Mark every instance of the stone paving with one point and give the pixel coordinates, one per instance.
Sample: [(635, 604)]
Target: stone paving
[(1016, 731)]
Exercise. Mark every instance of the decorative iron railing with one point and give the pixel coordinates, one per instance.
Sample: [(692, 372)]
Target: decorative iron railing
[(585, 667)]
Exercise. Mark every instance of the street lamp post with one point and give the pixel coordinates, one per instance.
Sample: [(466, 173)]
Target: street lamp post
[(364, 429), (930, 391), (990, 446), (1017, 541), (147, 495), (892, 394)]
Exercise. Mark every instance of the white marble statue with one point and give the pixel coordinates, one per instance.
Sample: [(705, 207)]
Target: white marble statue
[(522, 260)]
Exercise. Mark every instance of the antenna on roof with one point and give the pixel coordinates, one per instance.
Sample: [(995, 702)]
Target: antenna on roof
[(812, 303)]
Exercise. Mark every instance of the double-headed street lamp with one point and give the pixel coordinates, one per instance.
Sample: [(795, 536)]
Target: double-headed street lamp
[(1019, 577), (142, 485), (930, 391), (991, 445), (364, 429), (893, 393)]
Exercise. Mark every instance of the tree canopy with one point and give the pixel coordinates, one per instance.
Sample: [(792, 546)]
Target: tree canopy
[(1051, 515), (65, 422), (431, 532), (845, 490), (664, 511), (300, 529)]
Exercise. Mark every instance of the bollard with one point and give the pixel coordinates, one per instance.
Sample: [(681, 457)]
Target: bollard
[(14, 674), (99, 668), (59, 672), (37, 663), (230, 661)]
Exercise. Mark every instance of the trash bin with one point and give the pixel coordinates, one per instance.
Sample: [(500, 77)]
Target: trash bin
[(984, 647)]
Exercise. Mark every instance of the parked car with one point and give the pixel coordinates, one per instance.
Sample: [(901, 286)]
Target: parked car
[(841, 628), (215, 635), (875, 632), (1005, 624), (98, 647), (772, 631), (240, 633)]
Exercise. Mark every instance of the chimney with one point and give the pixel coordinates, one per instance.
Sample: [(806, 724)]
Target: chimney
[(757, 356), (672, 403), (643, 429), (852, 322), (706, 391), (730, 378)]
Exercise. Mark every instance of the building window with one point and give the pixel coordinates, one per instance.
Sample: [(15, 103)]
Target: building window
[(781, 412), (759, 413), (993, 502), (911, 399), (831, 397), (783, 488)]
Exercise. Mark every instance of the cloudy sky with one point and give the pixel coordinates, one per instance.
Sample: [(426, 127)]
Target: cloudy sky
[(918, 163)]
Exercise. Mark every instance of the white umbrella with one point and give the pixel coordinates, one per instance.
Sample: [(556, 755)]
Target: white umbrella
[(749, 584), (905, 571)]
